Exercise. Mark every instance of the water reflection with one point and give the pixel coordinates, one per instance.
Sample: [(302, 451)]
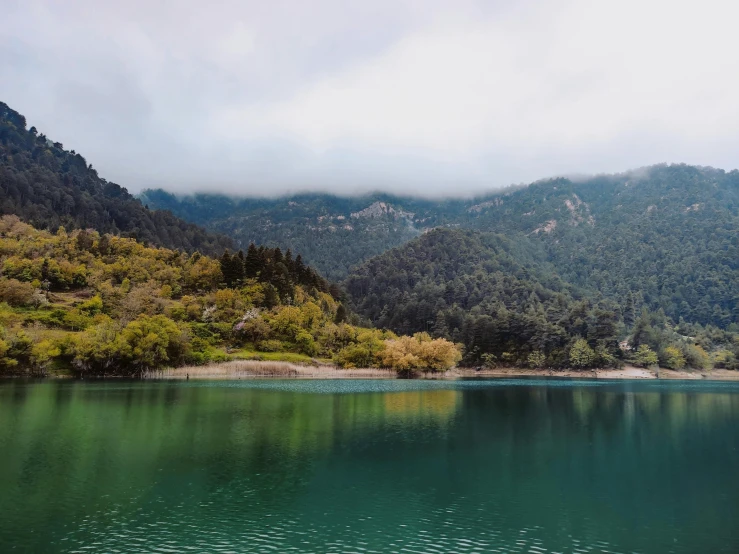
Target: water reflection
[(374, 466), (439, 405)]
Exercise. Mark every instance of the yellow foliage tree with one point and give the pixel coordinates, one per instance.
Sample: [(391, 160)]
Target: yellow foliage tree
[(203, 274), (673, 358), (419, 352)]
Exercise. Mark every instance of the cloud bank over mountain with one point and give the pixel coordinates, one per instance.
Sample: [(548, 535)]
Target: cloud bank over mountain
[(410, 96)]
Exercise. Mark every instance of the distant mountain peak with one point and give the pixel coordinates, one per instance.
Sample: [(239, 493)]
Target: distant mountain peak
[(380, 209)]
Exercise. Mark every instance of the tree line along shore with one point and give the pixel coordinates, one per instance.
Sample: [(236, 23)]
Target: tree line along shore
[(85, 303)]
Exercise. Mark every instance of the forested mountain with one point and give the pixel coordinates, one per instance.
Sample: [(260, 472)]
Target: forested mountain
[(486, 292), (333, 233), (649, 253), (48, 186), (666, 237), (506, 306)]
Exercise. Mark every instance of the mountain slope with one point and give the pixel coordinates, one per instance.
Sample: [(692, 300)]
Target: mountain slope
[(48, 186), (507, 305), (333, 233), (485, 291), (95, 304), (668, 236), (665, 236)]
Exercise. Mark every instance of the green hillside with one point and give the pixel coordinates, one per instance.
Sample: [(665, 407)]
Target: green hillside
[(48, 186), (333, 233), (93, 304), (668, 236), (506, 305)]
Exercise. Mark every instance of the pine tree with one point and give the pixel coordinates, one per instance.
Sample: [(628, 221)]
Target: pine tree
[(252, 262), (281, 281), (340, 314), (629, 311), (440, 327), (289, 263), (237, 268), (227, 268), (299, 269)]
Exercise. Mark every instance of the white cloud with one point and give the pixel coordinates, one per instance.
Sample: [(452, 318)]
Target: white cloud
[(411, 96), (584, 73)]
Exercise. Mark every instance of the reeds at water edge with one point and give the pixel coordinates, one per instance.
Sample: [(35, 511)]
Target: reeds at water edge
[(233, 369)]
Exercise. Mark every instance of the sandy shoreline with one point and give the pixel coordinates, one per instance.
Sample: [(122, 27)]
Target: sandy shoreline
[(242, 369), (627, 372)]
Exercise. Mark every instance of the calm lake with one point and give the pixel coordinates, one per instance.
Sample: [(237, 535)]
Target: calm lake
[(369, 466)]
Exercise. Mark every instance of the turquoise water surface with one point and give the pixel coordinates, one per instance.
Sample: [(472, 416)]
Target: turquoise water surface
[(369, 466)]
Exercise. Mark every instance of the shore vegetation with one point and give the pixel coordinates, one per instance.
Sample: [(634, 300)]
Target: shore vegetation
[(87, 303)]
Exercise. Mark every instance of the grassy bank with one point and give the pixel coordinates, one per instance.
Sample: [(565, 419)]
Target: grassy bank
[(246, 369)]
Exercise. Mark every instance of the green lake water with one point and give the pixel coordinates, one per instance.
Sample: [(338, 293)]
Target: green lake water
[(529, 466)]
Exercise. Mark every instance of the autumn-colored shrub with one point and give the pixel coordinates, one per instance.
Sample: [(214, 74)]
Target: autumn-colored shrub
[(15, 292), (419, 352), (672, 357), (581, 355)]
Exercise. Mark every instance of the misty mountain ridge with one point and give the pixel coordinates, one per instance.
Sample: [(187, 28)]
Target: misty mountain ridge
[(336, 233), (425, 213)]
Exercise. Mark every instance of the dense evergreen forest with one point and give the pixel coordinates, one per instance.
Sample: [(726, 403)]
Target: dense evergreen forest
[(490, 294), (668, 236), (48, 186), (96, 304)]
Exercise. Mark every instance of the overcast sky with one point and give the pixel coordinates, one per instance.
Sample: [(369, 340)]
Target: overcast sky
[(413, 96)]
